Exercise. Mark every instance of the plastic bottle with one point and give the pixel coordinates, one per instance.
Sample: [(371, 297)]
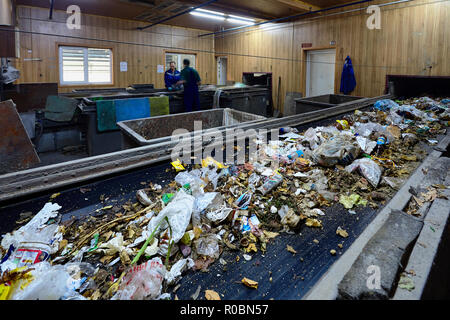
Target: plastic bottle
[(381, 144)]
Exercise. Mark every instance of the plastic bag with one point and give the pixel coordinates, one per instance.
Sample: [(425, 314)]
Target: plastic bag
[(318, 179), (37, 230), (142, 282), (366, 145), (254, 179), (212, 175), (218, 215), (114, 246), (142, 197), (312, 138), (191, 178), (408, 111), (385, 105), (179, 212), (337, 150), (366, 129), (177, 269), (394, 183), (50, 283), (288, 216), (213, 205), (368, 168), (208, 245)]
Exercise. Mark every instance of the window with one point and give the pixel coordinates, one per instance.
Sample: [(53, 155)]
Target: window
[(85, 66), (178, 59)]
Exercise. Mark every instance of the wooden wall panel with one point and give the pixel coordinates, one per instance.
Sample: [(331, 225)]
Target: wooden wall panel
[(413, 36), (143, 50)]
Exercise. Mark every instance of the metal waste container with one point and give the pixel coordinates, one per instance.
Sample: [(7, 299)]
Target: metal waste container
[(141, 132)]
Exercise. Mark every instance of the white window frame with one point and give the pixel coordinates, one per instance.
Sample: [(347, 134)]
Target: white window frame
[(86, 67), (180, 57)]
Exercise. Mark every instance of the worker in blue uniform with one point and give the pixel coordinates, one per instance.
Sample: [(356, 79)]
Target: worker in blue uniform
[(171, 77), (191, 80)]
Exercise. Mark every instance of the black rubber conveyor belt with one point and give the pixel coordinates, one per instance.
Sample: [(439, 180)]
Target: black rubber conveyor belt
[(292, 274)]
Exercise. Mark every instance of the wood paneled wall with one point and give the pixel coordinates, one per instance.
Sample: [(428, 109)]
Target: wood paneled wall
[(38, 60), (414, 39)]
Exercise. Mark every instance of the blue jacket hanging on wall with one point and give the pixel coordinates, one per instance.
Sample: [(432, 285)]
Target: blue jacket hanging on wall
[(348, 81)]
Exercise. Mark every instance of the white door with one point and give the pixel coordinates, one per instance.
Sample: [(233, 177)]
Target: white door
[(222, 71), (320, 68)]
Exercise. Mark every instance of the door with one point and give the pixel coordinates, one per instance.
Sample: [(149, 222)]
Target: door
[(222, 71), (320, 70)]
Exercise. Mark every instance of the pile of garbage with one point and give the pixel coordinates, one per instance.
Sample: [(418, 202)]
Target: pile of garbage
[(141, 249)]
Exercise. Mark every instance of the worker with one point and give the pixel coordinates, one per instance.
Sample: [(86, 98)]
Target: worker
[(171, 77), (191, 80)]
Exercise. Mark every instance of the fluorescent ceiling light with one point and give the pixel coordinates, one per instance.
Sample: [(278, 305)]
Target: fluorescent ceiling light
[(242, 22), (204, 15), (209, 11), (241, 18)]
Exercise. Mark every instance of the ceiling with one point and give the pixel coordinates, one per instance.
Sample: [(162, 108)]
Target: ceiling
[(152, 11)]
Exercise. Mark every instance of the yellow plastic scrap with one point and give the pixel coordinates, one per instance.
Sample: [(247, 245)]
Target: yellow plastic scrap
[(344, 124), (250, 283), (187, 238), (313, 223), (53, 196), (210, 161), (211, 295), (352, 200), (104, 208), (251, 247), (270, 235), (23, 280), (178, 165), (197, 232), (341, 232), (5, 290)]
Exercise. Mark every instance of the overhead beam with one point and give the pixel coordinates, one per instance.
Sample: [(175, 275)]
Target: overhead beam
[(298, 4)]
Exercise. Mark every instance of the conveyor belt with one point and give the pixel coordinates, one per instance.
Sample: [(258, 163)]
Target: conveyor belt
[(291, 277), (25, 183), (287, 269)]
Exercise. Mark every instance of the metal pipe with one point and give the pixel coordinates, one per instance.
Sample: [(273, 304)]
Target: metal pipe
[(177, 15), (285, 18), (50, 15)]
